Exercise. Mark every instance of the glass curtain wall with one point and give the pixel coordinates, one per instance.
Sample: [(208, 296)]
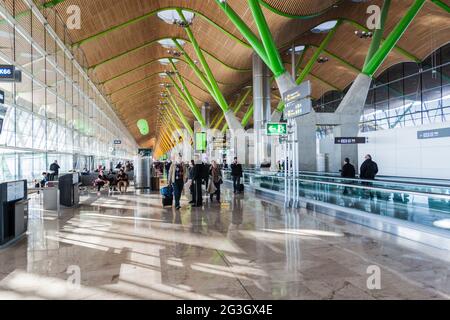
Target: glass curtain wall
[(55, 112), (406, 94)]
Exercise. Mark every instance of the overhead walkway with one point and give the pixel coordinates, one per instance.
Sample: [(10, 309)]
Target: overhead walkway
[(418, 211)]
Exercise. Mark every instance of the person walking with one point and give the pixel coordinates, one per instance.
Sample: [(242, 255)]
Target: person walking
[(216, 178), (197, 182), (369, 169), (236, 174), (348, 171), (54, 168), (176, 179)]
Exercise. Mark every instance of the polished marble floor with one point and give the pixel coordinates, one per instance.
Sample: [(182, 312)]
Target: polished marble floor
[(129, 247)]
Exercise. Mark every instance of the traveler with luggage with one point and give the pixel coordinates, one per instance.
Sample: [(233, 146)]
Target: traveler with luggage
[(236, 174), (176, 180), (191, 179)]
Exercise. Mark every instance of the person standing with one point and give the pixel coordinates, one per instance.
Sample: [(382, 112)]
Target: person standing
[(348, 170), (197, 182), (216, 178), (191, 181), (369, 169), (54, 167), (167, 168), (236, 174), (122, 180), (176, 179)]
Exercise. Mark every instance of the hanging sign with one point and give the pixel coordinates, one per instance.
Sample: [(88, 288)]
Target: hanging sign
[(297, 101), (351, 140)]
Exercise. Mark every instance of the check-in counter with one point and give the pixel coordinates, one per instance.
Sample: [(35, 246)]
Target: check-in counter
[(13, 211)]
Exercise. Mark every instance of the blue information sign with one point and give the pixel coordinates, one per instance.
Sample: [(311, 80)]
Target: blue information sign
[(7, 72), (432, 134)]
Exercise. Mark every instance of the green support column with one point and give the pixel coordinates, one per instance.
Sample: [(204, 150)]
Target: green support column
[(378, 35), (442, 5), (188, 95), (317, 53), (220, 99), (247, 116), (238, 107), (239, 102), (178, 112), (276, 64), (382, 53), (245, 30), (192, 107)]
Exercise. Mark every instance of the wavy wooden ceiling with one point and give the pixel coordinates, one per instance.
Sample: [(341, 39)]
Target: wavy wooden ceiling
[(130, 80)]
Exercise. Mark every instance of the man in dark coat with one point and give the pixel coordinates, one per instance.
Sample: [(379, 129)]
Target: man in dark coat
[(348, 170), (236, 174), (369, 169), (198, 176)]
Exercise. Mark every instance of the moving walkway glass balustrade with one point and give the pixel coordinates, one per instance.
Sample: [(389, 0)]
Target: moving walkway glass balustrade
[(422, 204)]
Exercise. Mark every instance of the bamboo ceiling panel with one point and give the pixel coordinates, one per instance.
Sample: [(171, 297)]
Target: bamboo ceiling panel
[(128, 69)]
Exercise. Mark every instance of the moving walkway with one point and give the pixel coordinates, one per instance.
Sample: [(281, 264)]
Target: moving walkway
[(418, 209)]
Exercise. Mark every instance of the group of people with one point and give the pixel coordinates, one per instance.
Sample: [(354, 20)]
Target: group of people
[(108, 180), (368, 170), (198, 174)]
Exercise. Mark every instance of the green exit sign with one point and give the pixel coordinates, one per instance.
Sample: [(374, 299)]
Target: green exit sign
[(276, 129)]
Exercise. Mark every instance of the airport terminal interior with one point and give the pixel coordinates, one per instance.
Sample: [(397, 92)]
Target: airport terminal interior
[(225, 149)]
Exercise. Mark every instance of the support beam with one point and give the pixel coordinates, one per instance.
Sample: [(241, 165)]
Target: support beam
[(317, 53), (245, 31), (378, 35), (276, 64), (172, 102), (220, 99), (248, 115), (442, 5), (238, 107), (195, 111), (382, 53)]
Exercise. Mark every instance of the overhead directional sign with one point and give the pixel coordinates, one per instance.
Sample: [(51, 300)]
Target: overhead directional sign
[(297, 101), (276, 129), (117, 141), (351, 140)]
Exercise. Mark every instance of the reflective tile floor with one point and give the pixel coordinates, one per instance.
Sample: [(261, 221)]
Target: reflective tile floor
[(129, 247)]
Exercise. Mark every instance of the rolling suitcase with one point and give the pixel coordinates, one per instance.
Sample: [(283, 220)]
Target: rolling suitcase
[(167, 201), (241, 188)]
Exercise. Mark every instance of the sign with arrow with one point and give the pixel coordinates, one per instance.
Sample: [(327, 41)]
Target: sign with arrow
[(276, 129)]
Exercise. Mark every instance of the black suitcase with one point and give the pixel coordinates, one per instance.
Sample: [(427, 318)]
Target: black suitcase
[(167, 201), (241, 188)]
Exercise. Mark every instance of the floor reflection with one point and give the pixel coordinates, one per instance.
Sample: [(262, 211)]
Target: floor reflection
[(129, 247)]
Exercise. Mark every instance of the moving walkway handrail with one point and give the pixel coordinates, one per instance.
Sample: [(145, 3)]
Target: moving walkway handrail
[(417, 193), (351, 181)]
